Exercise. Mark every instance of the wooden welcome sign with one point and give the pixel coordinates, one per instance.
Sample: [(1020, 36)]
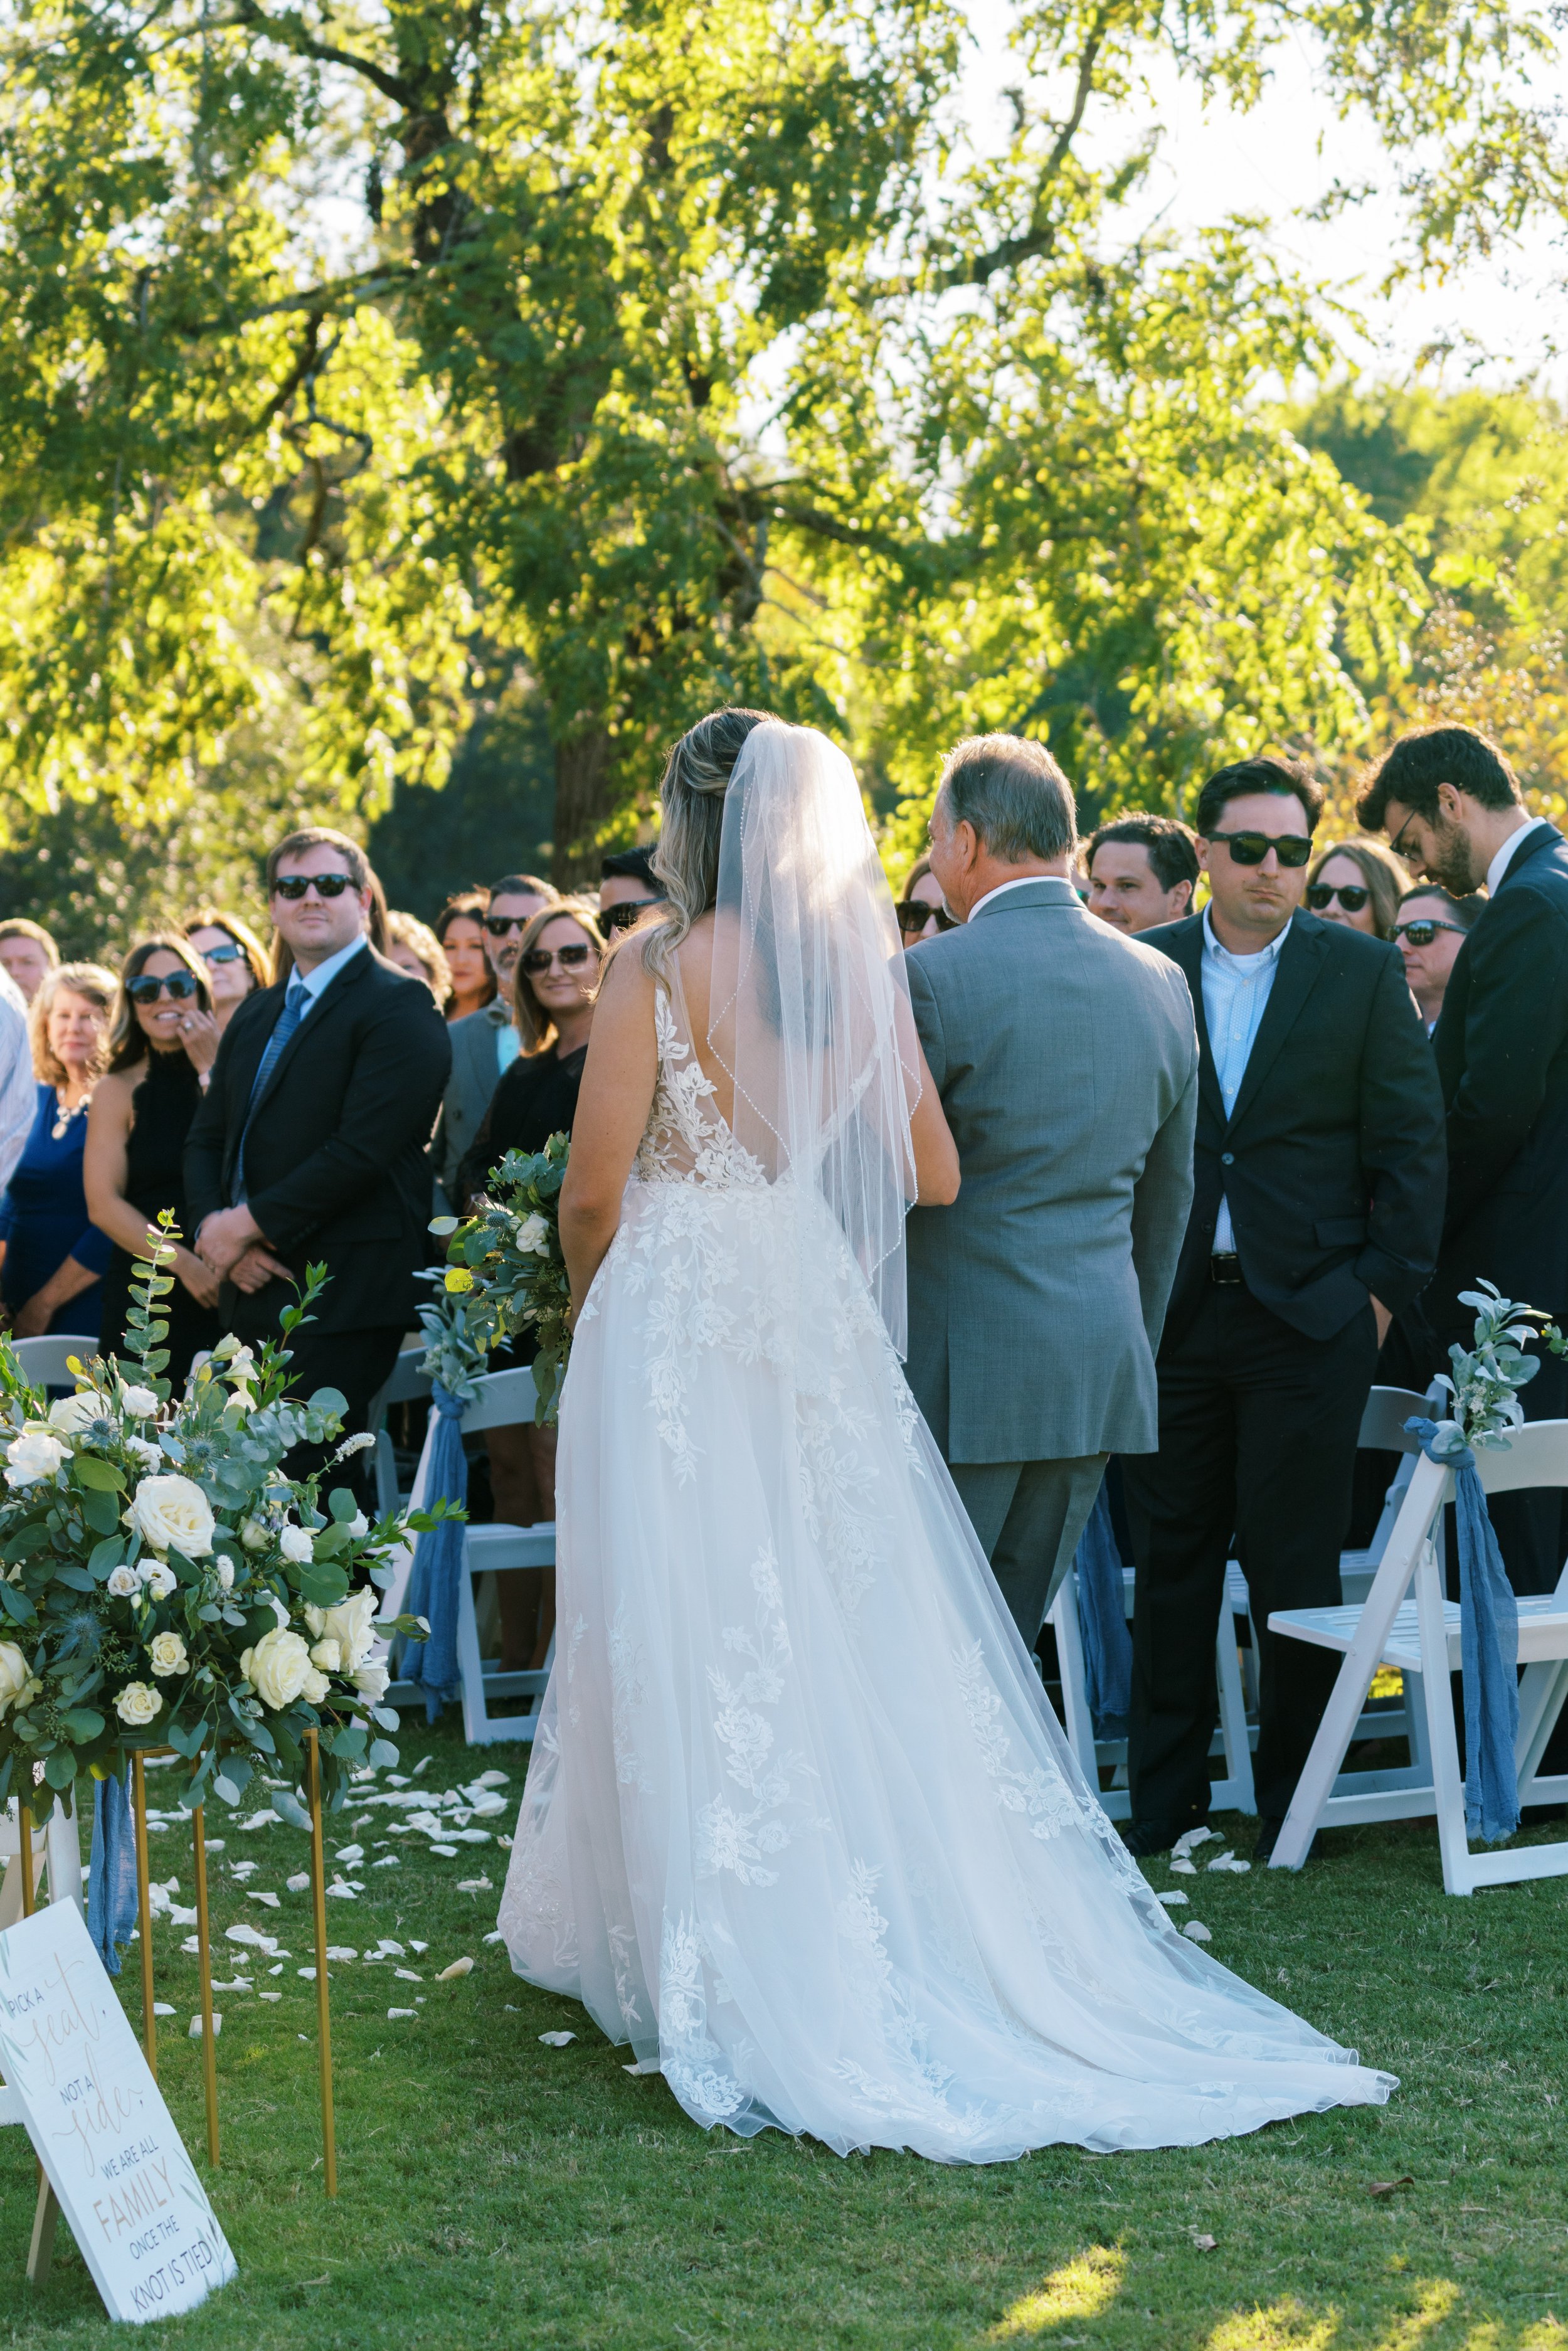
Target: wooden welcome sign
[(75, 2076)]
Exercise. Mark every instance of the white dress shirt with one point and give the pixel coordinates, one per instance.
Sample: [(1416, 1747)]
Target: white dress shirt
[(1236, 990), (1509, 852), (18, 1087)]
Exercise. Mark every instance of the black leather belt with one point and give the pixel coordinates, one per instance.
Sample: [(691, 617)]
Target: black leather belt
[(1225, 1268)]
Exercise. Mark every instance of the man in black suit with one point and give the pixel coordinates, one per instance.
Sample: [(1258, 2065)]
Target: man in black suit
[(1451, 804), (1318, 1195), (310, 1144)]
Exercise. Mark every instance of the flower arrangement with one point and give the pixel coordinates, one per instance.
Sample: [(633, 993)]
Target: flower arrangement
[(506, 1274), (163, 1583), (1488, 1375)]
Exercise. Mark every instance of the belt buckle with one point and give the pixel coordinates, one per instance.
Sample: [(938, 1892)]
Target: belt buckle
[(1225, 1269)]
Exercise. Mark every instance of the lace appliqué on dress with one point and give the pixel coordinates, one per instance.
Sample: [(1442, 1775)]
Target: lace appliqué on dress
[(1043, 1795), (730, 1838)]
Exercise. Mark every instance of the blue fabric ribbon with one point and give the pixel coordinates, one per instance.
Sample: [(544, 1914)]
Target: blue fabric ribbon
[(1489, 1648), (111, 1871), (1103, 1618), (438, 1561)]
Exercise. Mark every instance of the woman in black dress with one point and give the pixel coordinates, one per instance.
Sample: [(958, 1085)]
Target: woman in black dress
[(554, 985), (161, 1050)]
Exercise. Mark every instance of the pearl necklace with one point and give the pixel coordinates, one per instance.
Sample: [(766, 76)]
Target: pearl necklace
[(63, 1117)]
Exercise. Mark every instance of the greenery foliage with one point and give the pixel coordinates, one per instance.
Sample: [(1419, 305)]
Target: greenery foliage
[(506, 1277)]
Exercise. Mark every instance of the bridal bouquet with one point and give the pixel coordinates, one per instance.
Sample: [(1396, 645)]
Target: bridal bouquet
[(506, 1274), (163, 1583)]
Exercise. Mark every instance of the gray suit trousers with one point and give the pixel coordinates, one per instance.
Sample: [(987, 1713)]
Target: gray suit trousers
[(1028, 1515)]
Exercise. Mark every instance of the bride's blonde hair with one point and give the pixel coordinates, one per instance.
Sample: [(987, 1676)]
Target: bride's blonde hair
[(686, 862)]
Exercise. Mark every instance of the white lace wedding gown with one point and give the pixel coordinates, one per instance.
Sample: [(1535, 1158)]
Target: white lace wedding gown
[(799, 1824)]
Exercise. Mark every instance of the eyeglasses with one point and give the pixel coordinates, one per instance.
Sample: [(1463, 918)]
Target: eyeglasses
[(1253, 848), (1424, 930), (1352, 896), (625, 916), (913, 914), (539, 960), (501, 927), (293, 886), (231, 954), (179, 985)]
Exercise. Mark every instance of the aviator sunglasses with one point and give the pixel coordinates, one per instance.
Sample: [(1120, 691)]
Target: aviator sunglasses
[(231, 954), (179, 985), (1424, 930), (1253, 848), (293, 886), (914, 915), (1352, 895), (539, 960)]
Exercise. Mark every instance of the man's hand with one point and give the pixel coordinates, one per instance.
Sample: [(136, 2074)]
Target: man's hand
[(256, 1269), (226, 1236), (1381, 1317)]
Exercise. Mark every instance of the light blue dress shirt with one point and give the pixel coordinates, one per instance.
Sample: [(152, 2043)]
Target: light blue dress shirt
[(1236, 990), (318, 982)]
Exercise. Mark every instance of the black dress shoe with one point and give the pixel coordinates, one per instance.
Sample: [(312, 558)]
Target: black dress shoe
[(1268, 1837), (1144, 1838)]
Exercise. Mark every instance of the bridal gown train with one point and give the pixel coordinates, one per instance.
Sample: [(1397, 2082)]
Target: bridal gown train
[(799, 1824)]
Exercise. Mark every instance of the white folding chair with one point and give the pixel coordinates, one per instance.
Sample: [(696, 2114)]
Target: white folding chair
[(501, 1400), (55, 1853), (43, 1360), (407, 1385), (1419, 1636)]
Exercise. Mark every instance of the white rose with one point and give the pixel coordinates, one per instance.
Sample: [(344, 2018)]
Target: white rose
[(328, 1656), (358, 1525), (14, 1675), (149, 1455), (124, 1583), (253, 1534), (352, 1623), (277, 1667), (139, 1403), (72, 1413), (160, 1581), (226, 1568), (31, 1458), (137, 1704), (371, 1680), (173, 1514), (168, 1654), (294, 1543), (314, 1687), (533, 1235)]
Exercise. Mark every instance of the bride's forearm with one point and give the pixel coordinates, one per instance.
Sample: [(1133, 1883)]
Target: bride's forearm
[(586, 1234)]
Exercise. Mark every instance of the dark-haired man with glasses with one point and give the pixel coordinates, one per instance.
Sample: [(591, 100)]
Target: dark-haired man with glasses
[(310, 1142), (486, 1042), (1317, 1204)]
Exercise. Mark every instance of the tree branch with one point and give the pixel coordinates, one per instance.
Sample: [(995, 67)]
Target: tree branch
[(363, 286), (248, 17), (1040, 238)]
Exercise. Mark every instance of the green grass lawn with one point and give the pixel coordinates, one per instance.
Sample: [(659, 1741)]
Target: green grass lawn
[(493, 2191)]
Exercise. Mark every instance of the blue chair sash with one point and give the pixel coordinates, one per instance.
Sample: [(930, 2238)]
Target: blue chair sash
[(1103, 1619), (1488, 1646), (433, 1584), (111, 1889)]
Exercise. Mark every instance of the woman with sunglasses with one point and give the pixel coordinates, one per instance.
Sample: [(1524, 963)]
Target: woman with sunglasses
[(553, 989), (237, 964), (141, 1115), (51, 1256), (460, 927), (921, 912), (1358, 882)]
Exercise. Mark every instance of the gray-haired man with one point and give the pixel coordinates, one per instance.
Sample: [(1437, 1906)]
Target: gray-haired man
[(1066, 1056)]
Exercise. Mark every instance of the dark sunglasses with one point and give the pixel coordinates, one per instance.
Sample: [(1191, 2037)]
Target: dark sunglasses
[(500, 926), (914, 915), (293, 886), (179, 985), (1424, 930), (1352, 895), (625, 916), (230, 953), (539, 960), (1253, 848)]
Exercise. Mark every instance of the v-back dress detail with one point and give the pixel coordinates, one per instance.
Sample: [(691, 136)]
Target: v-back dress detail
[(799, 1824)]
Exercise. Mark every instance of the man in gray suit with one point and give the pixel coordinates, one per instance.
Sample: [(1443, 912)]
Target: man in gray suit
[(1067, 1063)]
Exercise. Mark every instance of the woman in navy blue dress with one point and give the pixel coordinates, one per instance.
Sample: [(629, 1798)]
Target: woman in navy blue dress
[(51, 1272)]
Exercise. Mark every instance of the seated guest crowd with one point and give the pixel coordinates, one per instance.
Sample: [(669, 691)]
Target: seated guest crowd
[(1382, 1120)]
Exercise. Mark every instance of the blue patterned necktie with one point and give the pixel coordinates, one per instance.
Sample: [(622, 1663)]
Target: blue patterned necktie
[(293, 1009)]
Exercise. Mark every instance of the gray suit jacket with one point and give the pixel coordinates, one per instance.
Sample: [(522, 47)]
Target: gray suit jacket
[(1067, 1063), (475, 1074)]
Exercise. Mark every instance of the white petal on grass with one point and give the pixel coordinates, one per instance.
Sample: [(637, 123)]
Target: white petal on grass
[(162, 2007), (387, 1950), (269, 1995), (299, 1883), (415, 1946), (1196, 1932), (407, 1975), (342, 1951), (554, 2039), (308, 1974), (192, 1943), (403, 2011), (475, 1886), (256, 1895), (1172, 1901), (644, 2065), (459, 1967), (1184, 1868), (391, 1862), (494, 1936), (195, 2030), (1188, 1839)]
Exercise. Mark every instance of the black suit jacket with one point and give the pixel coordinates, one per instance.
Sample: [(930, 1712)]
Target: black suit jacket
[(1501, 1048), (1332, 1159), (335, 1164)]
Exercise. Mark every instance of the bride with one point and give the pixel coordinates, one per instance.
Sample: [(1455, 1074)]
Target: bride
[(799, 1824)]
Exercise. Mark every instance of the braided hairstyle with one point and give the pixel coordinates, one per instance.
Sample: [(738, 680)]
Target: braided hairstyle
[(686, 862)]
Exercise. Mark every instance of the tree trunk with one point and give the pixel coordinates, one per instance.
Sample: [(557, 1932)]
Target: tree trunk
[(583, 807)]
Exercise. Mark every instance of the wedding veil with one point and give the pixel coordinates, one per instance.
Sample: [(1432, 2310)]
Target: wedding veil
[(811, 1012)]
